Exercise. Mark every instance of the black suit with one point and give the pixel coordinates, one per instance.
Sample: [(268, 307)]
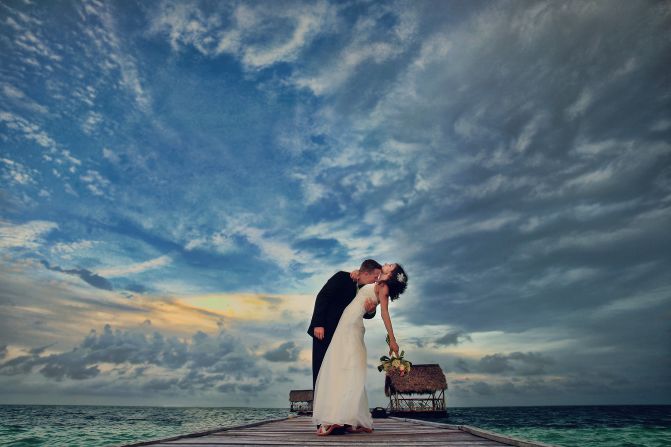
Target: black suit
[(331, 301)]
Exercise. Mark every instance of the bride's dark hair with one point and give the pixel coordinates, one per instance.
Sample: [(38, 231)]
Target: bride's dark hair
[(397, 283)]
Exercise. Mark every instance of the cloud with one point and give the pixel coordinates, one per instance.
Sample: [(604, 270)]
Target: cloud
[(28, 235), (40, 349), (14, 172), (529, 363), (286, 352), (301, 371), (95, 182), (32, 41), (370, 43), (327, 248), (453, 338), (29, 130), (67, 250), (91, 278), (107, 40), (91, 122), (272, 248), (239, 30), (134, 287), (110, 155), (222, 241), (579, 107), (273, 302), (70, 366), (20, 99), (204, 362), (462, 366), (137, 267), (482, 388)]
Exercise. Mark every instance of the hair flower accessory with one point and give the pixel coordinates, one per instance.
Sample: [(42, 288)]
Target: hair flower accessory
[(400, 277)]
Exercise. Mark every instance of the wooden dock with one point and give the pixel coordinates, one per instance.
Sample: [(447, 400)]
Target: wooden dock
[(300, 431)]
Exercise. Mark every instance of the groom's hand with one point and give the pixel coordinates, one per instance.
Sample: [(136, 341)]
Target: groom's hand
[(370, 305), (319, 333)]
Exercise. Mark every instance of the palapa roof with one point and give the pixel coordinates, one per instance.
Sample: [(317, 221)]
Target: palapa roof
[(300, 395), (421, 379)]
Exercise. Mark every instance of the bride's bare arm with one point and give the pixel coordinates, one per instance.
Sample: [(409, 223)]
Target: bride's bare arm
[(383, 294)]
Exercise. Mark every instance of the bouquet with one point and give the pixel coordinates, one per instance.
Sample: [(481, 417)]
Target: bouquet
[(394, 362)]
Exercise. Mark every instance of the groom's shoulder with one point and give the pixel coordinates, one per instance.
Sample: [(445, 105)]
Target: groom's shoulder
[(339, 276)]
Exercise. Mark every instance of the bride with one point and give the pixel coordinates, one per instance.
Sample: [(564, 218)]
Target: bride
[(340, 398)]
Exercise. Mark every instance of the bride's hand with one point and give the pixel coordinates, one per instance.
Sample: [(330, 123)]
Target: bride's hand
[(393, 347)]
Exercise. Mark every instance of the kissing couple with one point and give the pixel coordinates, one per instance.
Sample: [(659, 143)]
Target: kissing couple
[(339, 362)]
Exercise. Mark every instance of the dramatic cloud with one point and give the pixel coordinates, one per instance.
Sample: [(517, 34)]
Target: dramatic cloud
[(286, 352), (208, 166), (453, 338), (525, 363), (221, 362), (94, 279), (242, 30), (24, 236)]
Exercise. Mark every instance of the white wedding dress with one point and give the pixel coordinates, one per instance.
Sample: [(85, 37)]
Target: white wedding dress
[(340, 390)]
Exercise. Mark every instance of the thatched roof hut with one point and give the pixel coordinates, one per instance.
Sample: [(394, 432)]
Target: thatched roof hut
[(422, 379), (300, 396), (300, 401)]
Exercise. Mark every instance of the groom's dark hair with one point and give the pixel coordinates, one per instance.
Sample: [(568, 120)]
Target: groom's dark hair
[(369, 265)]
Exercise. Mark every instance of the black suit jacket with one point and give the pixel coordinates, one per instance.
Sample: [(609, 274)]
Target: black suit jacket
[(331, 301)]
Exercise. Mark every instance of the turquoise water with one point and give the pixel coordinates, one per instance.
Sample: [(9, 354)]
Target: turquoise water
[(583, 426), (94, 426)]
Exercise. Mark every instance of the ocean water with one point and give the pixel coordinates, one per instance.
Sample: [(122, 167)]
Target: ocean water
[(93, 426), (574, 426)]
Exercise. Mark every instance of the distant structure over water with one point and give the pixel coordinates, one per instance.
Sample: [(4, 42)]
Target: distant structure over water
[(422, 391), (300, 401)]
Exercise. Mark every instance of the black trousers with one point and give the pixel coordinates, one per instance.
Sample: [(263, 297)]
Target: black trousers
[(319, 348)]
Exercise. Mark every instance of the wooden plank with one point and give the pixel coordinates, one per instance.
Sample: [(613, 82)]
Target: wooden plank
[(437, 442), (299, 430), (345, 444), (330, 440)]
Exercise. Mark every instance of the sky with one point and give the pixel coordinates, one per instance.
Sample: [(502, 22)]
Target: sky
[(179, 179)]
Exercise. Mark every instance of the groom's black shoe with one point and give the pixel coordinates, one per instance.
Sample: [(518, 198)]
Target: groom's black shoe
[(339, 431)]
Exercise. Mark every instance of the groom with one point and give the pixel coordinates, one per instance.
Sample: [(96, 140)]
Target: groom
[(331, 301)]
